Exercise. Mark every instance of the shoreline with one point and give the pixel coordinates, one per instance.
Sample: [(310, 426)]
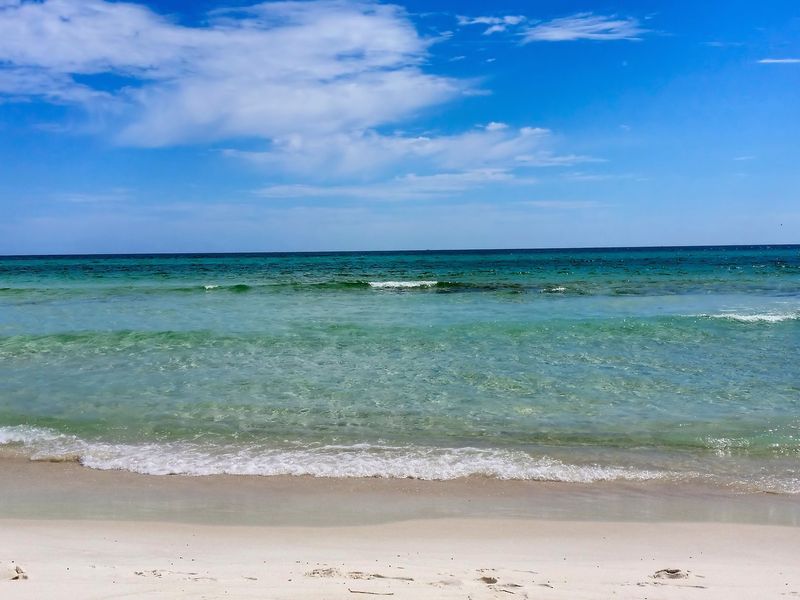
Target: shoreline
[(68, 490), (75, 532)]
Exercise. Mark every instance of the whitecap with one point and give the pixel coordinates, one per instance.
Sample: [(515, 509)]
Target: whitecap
[(755, 318), (28, 435), (340, 461), (353, 462), (402, 284)]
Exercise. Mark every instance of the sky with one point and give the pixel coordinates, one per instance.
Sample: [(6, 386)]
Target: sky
[(323, 125)]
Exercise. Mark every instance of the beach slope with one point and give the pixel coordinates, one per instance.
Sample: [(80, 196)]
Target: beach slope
[(420, 559)]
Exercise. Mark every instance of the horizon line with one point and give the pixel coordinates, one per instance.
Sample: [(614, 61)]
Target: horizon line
[(395, 251)]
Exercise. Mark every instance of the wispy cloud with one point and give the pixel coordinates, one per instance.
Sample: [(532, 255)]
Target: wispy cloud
[(562, 204), (263, 226), (547, 159), (580, 26), (585, 26), (112, 196), (405, 187), (495, 24), (779, 61), (425, 187), (495, 145), (719, 44), (20, 83), (582, 176)]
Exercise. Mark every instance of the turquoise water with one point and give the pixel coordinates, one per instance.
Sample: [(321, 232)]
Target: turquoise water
[(574, 365)]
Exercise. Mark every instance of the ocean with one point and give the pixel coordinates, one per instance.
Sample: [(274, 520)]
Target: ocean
[(587, 365)]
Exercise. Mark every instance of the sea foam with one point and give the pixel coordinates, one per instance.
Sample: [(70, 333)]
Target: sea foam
[(353, 461), (402, 284), (755, 318), (26, 435)]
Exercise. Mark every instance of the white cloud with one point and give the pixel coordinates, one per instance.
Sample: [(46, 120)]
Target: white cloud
[(585, 26), (112, 196), (410, 186), (496, 24), (779, 61), (318, 83), (547, 159), (581, 176), (495, 145), (580, 26), (21, 83), (562, 204), (273, 70)]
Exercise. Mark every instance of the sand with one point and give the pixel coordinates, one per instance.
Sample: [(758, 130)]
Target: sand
[(450, 558), (67, 532)]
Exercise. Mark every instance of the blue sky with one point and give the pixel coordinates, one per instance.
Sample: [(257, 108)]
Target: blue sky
[(334, 125)]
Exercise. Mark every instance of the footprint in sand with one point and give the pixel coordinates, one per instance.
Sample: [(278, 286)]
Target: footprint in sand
[(331, 572), (447, 583), (670, 574), (189, 576), (17, 573), (663, 575), (324, 572), (360, 575), (493, 583)]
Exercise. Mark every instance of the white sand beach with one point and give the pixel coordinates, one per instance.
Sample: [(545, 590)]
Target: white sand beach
[(70, 532), (426, 559)]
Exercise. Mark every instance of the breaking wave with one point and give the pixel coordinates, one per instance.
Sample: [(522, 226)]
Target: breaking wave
[(358, 460), (755, 318), (402, 284)]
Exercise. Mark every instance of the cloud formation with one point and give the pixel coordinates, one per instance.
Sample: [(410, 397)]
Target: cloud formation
[(585, 26), (312, 85), (580, 26), (268, 70), (495, 145), (405, 187), (495, 24), (779, 61)]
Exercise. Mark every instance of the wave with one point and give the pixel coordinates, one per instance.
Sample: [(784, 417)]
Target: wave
[(368, 461), (27, 435), (238, 287), (402, 284), (272, 287), (755, 318), (353, 461), (409, 285), (376, 282)]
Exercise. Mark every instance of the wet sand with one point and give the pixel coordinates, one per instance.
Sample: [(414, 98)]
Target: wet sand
[(70, 491), (78, 533)]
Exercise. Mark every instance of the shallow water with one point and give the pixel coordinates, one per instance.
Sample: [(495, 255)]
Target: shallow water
[(574, 365)]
